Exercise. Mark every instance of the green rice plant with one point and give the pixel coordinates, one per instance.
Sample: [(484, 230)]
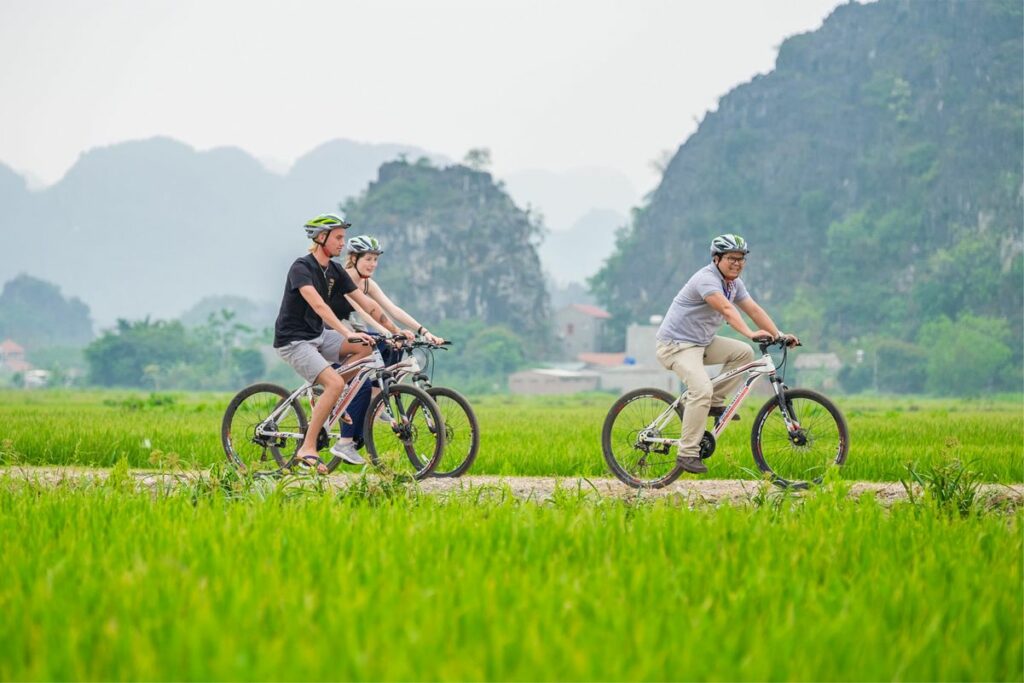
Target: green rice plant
[(106, 581), (520, 436), (950, 486)]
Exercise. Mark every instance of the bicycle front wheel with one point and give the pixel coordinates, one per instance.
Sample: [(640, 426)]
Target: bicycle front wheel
[(820, 438), (251, 441), (639, 448), (461, 431), (404, 431)]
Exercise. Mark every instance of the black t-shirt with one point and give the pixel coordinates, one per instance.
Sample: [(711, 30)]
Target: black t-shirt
[(296, 321)]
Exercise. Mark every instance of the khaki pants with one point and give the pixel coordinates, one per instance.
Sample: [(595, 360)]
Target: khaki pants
[(688, 361)]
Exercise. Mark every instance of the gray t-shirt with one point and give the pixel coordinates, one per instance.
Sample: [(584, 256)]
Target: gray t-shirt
[(690, 318)]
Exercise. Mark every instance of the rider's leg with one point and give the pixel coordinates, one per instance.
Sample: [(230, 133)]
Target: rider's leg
[(731, 354), (333, 385), (687, 361)]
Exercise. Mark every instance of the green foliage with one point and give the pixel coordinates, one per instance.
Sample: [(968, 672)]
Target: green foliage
[(535, 436), (950, 487), (120, 356), (235, 579), (969, 356), (457, 247), (481, 357), (35, 315), (876, 176), (167, 355), (901, 367)]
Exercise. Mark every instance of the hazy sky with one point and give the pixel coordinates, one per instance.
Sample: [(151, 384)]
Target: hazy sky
[(551, 85)]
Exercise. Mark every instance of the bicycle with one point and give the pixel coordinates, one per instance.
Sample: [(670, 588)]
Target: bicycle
[(796, 435), (462, 432), (403, 425)]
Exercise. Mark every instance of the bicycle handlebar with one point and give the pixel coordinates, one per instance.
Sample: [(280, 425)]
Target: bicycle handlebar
[(766, 342)]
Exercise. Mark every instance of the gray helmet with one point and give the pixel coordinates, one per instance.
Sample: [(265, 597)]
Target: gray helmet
[(723, 244), (325, 222), (364, 244)]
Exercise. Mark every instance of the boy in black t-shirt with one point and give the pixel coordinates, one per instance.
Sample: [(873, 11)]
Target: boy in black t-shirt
[(309, 333)]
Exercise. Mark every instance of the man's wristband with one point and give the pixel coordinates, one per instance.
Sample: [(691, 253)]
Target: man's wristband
[(421, 330)]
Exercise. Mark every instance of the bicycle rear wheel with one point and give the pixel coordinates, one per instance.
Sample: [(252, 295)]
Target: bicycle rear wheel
[(413, 443), (626, 433), (462, 433), (249, 438), (797, 458)]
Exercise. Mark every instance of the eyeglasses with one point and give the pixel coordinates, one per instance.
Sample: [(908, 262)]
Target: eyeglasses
[(736, 259)]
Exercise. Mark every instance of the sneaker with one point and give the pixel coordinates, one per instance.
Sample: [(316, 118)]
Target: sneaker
[(383, 416), (347, 452), (692, 464)]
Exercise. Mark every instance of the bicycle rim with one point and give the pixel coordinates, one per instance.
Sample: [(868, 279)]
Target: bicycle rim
[(413, 443), (462, 433), (804, 456), (256, 452), (631, 459)]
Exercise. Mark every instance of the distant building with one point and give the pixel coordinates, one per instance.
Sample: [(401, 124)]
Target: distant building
[(817, 370), (580, 327), (12, 357), (552, 381)]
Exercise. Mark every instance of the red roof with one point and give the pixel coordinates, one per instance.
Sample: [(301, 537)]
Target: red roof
[(602, 359), (17, 365), (592, 311), (9, 346)]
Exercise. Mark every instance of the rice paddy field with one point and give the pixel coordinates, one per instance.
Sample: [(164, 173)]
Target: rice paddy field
[(223, 578)]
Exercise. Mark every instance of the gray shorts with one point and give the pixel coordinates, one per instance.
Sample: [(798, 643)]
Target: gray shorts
[(310, 357)]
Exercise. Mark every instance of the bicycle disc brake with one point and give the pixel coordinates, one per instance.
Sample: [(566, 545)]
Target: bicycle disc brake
[(707, 445)]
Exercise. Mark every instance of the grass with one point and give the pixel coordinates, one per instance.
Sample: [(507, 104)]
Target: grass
[(224, 581), (539, 436)]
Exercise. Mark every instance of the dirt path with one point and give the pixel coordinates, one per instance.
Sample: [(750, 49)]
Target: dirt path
[(527, 488)]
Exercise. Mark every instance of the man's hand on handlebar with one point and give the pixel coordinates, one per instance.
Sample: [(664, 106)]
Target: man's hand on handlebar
[(791, 339), (761, 336), (408, 334), (433, 339), (361, 338)]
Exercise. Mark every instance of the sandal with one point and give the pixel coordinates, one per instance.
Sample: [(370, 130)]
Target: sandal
[(311, 462)]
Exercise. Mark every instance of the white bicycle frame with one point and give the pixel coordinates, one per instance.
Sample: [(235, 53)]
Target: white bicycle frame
[(367, 366), (757, 369)]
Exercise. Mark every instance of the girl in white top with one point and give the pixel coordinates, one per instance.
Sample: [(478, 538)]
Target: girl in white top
[(363, 254)]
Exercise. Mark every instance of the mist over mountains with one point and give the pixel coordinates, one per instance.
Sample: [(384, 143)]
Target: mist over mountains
[(152, 227)]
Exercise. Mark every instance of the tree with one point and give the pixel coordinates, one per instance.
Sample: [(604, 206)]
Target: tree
[(120, 357), (35, 314), (478, 159), (968, 356)]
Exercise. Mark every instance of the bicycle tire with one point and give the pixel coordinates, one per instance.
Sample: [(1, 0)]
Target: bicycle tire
[(415, 446), (249, 408), (824, 439), (631, 413), (462, 433)]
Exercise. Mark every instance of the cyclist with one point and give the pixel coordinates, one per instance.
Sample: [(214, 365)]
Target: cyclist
[(309, 333), (363, 254), (687, 339)]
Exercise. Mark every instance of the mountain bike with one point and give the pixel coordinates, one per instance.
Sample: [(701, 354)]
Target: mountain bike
[(796, 436), (404, 431), (462, 432)]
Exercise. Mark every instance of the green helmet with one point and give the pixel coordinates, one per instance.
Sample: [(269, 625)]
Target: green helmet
[(723, 244), (325, 222), (364, 244)]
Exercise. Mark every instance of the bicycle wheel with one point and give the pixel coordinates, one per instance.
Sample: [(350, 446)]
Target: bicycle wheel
[(461, 431), (414, 442), (246, 446), (796, 458), (630, 422)]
